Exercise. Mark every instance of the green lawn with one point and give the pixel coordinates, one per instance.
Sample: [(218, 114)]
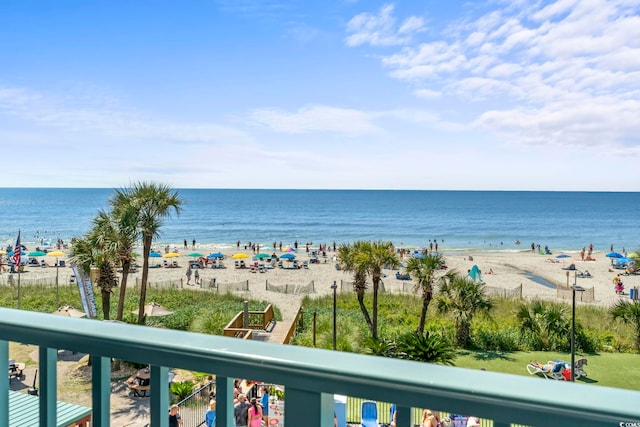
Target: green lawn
[(619, 370)]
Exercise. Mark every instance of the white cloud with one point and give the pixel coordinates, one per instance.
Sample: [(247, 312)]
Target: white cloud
[(381, 29), (565, 71), (52, 111), (317, 118)]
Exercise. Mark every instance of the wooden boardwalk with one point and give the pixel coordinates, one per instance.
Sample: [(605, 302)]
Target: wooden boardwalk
[(279, 332)]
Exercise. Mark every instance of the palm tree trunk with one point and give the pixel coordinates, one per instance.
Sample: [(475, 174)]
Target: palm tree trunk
[(374, 310), (106, 302), (363, 308), (123, 289), (146, 249), (426, 300)]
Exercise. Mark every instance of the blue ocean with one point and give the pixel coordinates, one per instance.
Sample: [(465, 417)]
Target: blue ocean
[(490, 220)]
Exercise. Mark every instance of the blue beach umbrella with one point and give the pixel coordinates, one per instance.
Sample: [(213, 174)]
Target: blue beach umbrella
[(418, 255), (561, 256), (288, 255), (215, 255), (614, 255), (155, 255)]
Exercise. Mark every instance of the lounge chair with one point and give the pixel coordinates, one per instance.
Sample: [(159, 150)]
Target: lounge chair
[(369, 414), (553, 369), (578, 368)]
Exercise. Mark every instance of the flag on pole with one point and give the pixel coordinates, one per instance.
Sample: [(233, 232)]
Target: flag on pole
[(16, 252)]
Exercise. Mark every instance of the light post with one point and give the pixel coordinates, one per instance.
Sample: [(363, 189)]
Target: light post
[(574, 289), (335, 288)]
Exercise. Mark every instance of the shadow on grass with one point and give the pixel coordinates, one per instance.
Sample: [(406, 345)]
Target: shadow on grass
[(493, 355), (586, 380)]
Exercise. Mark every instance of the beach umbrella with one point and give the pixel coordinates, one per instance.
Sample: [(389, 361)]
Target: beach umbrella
[(37, 253), (288, 249), (3, 252), (562, 256), (171, 255), (263, 256), (21, 253), (153, 309), (240, 255), (195, 254), (68, 311), (154, 255), (288, 255), (419, 255), (614, 255), (216, 255)]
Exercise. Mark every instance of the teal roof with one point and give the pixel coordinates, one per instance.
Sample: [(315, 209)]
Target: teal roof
[(24, 411)]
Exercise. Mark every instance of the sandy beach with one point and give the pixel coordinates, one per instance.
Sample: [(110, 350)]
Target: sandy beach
[(538, 274)]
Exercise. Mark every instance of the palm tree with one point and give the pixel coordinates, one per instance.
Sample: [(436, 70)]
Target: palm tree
[(463, 299), (628, 312), (349, 255), (119, 232), (546, 324), (364, 258), (153, 202), (427, 272), (87, 253), (378, 255)]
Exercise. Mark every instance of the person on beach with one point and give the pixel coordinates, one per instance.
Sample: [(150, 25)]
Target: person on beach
[(185, 244), (196, 276), (193, 244), (189, 275), (255, 414)]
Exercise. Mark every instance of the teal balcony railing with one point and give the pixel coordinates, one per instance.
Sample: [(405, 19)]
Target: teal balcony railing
[(310, 377)]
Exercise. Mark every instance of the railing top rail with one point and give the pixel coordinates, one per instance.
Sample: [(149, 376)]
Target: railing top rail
[(501, 397)]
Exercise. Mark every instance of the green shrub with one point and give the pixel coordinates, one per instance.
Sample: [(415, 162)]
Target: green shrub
[(494, 338), (182, 390)]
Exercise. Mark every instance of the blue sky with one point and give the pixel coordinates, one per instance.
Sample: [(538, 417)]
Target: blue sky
[(431, 94)]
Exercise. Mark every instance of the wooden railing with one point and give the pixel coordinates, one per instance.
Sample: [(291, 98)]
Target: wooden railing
[(292, 329), (235, 328)]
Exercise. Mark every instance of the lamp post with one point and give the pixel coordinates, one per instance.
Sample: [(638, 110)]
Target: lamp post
[(574, 289), (335, 288)]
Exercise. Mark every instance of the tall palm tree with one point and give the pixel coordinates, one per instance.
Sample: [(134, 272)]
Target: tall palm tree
[(463, 299), (427, 272), (118, 236), (628, 312), (367, 258), (378, 255), (349, 261), (153, 202), (87, 253)]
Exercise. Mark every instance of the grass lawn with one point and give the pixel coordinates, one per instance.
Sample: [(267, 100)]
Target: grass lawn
[(619, 370)]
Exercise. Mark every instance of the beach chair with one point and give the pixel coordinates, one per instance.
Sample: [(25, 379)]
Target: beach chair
[(305, 264), (236, 264), (537, 368), (369, 414), (578, 368), (62, 263)]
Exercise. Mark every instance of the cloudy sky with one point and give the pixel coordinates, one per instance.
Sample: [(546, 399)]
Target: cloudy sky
[(424, 94)]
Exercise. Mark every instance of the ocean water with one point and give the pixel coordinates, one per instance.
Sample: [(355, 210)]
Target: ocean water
[(491, 220)]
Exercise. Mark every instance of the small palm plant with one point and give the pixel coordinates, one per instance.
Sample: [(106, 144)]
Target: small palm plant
[(628, 312)]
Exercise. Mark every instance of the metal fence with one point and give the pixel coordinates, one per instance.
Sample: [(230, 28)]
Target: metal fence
[(194, 406)]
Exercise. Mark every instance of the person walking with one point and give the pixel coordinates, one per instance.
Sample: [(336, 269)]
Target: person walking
[(196, 275), (188, 275)]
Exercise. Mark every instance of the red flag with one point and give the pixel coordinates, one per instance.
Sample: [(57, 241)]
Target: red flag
[(17, 250)]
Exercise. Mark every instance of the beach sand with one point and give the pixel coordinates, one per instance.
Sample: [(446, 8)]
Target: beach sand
[(538, 274)]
